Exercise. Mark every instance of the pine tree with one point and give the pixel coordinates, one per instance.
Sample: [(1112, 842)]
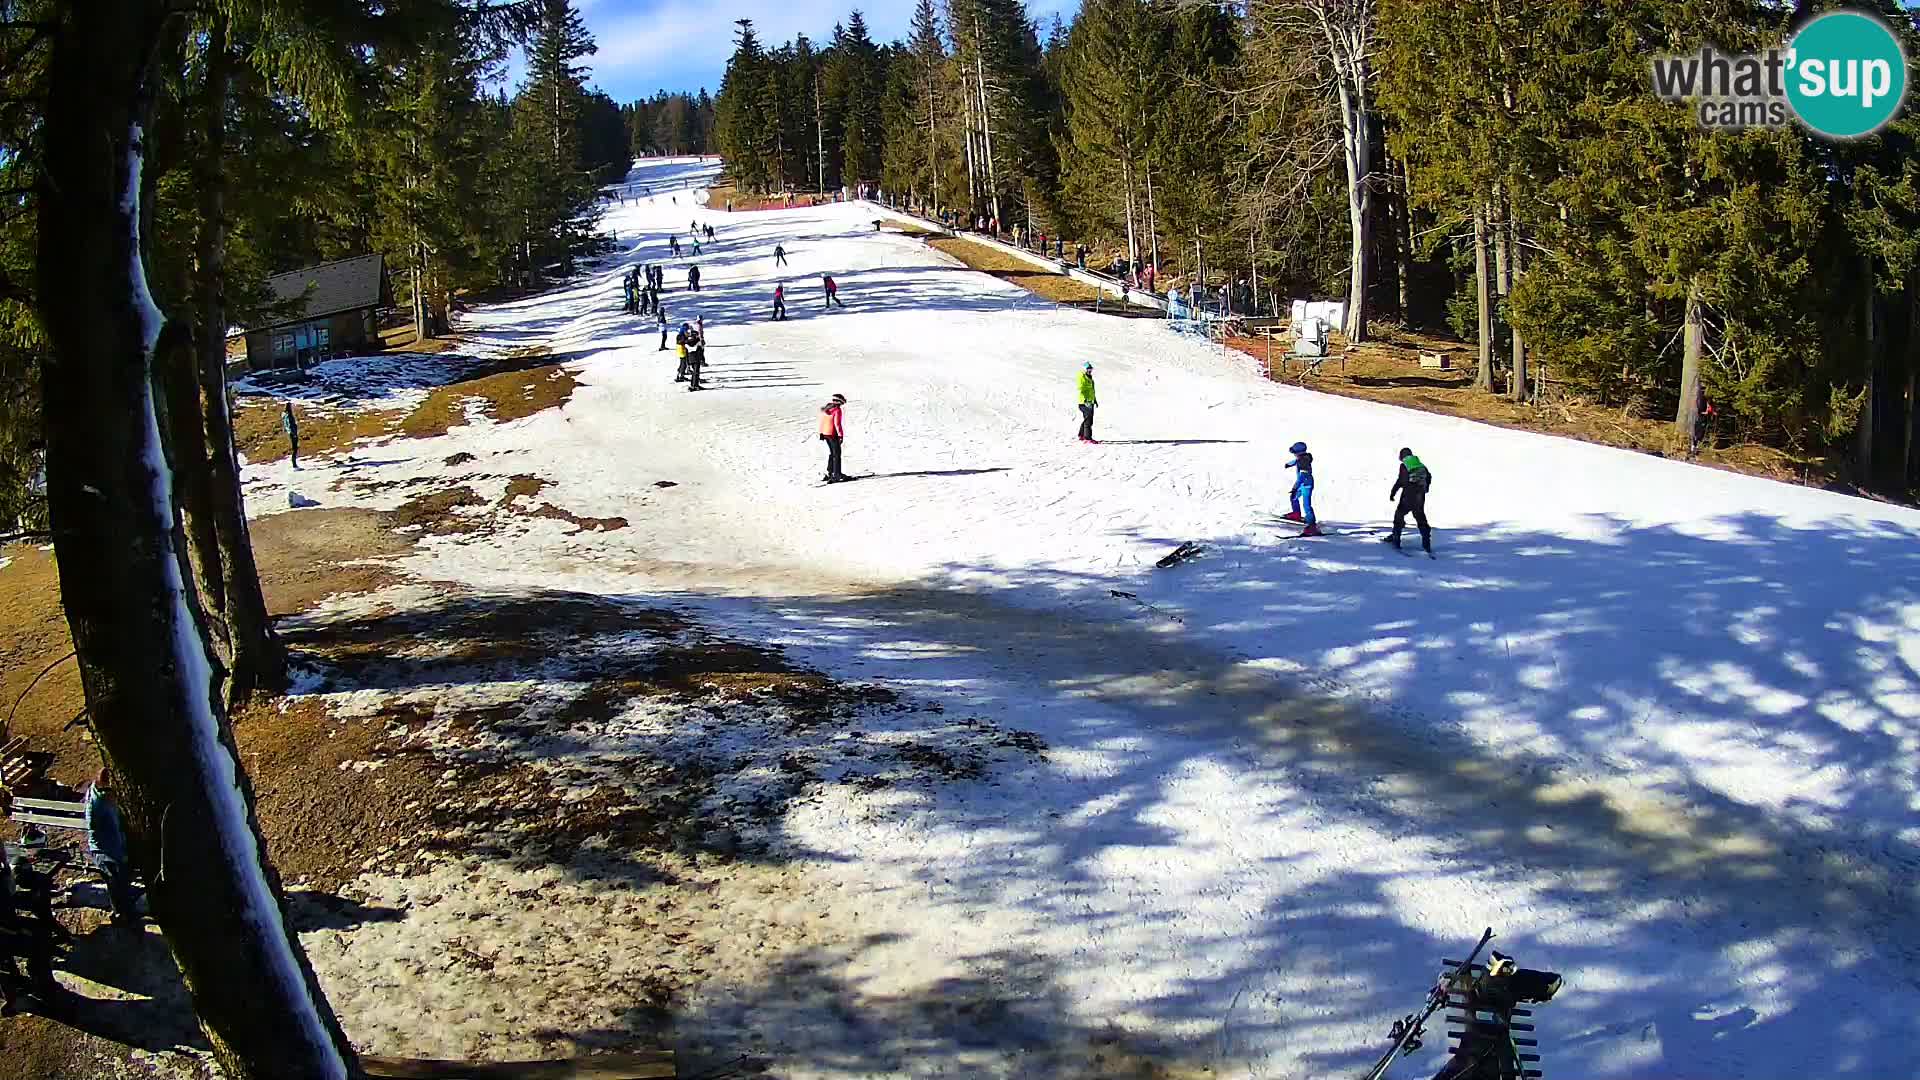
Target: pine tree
[(744, 114)]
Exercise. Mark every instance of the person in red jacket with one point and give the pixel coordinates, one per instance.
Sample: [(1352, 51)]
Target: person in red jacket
[(833, 431)]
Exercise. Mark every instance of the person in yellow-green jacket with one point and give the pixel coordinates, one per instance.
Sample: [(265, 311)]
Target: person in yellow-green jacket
[(1411, 489), (1089, 401)]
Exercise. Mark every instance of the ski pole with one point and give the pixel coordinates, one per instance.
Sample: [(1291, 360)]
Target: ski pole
[(1406, 1031)]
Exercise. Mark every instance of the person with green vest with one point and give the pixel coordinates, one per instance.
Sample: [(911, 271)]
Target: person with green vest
[(1089, 401), (1411, 490)]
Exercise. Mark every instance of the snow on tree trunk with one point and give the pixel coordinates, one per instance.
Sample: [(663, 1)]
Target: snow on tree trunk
[(137, 629)]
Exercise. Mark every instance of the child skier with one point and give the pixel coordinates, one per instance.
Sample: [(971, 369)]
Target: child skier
[(832, 289), (779, 255), (1302, 494), (1089, 401), (779, 302), (833, 431), (1411, 490)]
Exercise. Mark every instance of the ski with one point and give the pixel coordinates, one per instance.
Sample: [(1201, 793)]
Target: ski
[(1185, 551), (1407, 1030)]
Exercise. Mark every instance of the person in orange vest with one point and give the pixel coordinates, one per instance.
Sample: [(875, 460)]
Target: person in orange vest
[(833, 431)]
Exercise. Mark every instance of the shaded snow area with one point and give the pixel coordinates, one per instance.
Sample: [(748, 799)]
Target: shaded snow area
[(362, 383), (933, 774)]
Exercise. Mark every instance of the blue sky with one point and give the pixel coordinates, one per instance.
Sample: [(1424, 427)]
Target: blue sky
[(649, 45)]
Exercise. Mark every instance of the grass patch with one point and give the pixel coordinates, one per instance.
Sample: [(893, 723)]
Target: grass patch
[(1047, 284), (1388, 370), (505, 390)]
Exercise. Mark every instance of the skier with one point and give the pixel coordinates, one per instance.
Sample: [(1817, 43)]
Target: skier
[(292, 427), (1089, 401), (693, 279), (709, 229), (680, 344), (779, 255), (1702, 426), (1302, 494), (833, 291), (1411, 489), (779, 302), (660, 315), (833, 431), (696, 247), (630, 302), (696, 355), (673, 246)]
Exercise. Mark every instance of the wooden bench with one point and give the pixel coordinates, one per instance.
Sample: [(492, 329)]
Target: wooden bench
[(49, 813)]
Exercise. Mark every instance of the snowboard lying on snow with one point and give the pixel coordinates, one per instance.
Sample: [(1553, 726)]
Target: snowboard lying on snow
[(1180, 554)]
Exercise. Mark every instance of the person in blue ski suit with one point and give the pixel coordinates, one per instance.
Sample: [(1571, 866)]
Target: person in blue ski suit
[(1302, 494)]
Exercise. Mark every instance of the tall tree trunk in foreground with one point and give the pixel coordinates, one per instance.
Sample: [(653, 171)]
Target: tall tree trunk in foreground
[(1482, 288), (137, 629), (255, 661), (1693, 334)]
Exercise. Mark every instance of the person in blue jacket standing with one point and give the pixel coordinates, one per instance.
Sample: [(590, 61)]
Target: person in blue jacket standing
[(1302, 494)]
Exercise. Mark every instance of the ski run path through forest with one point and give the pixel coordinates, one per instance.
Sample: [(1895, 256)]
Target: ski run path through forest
[(1658, 725)]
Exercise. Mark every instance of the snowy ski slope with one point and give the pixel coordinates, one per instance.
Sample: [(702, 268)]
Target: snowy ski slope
[(1657, 724)]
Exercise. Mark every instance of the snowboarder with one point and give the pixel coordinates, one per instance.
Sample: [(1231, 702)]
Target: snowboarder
[(680, 345), (833, 291), (693, 279), (779, 303), (1089, 401), (833, 431), (292, 427), (1302, 494), (660, 315), (779, 255), (1411, 489)]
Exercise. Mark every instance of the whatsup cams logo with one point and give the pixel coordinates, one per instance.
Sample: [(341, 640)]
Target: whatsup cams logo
[(1843, 75)]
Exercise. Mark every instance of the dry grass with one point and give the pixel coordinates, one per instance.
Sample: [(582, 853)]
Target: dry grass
[(1049, 285), (1389, 371), (717, 198), (401, 339), (508, 390)]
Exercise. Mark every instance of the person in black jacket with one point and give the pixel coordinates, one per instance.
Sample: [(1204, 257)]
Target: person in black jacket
[(1411, 490)]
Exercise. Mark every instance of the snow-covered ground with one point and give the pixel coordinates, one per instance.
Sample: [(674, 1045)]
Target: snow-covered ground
[(1659, 725)]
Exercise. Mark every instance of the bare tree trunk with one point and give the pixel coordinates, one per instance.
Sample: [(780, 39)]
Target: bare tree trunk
[(1406, 243), (1482, 290), (1517, 390), (255, 659), (1153, 229), (986, 115), (137, 629), (1693, 336), (1359, 161), (1133, 245)]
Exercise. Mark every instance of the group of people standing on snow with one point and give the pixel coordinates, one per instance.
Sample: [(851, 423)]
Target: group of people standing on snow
[(1409, 488)]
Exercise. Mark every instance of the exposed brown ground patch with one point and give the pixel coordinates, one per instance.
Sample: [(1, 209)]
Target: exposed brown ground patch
[(1056, 287), (507, 390), (306, 556), (323, 818), (437, 512), (717, 198), (1389, 371)]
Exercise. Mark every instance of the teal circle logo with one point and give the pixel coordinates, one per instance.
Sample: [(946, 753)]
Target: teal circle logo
[(1847, 76)]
